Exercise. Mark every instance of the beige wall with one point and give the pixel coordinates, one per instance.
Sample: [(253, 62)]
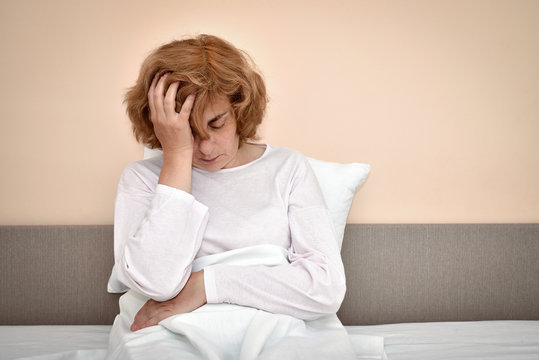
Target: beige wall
[(440, 97)]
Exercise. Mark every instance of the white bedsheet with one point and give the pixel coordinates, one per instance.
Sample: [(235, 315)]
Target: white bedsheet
[(511, 340), (447, 340), (90, 342), (75, 341)]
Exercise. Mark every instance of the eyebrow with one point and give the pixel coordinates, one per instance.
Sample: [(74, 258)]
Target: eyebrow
[(217, 117)]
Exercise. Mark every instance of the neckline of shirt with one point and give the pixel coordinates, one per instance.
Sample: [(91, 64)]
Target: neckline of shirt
[(221, 171)]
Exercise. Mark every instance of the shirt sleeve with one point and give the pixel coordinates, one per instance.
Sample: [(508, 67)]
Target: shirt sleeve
[(312, 285), (157, 233)]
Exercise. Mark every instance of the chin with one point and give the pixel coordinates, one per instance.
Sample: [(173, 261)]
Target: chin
[(209, 167)]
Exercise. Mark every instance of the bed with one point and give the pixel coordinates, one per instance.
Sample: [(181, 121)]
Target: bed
[(419, 291)]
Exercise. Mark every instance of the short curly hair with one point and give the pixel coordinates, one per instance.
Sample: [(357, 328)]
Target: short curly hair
[(209, 67)]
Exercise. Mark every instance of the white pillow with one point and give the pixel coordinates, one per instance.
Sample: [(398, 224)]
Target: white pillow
[(338, 183), (115, 286)]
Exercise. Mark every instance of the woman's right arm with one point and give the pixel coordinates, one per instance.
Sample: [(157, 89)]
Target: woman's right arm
[(158, 229), (157, 234)]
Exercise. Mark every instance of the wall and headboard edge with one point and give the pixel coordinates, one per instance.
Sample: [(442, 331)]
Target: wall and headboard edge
[(395, 273)]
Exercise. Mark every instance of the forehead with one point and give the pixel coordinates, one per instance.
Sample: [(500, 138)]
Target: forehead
[(216, 106)]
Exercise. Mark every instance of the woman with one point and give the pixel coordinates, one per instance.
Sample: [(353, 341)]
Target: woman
[(213, 190)]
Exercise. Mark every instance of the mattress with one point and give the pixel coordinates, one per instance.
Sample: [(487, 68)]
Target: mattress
[(27, 341), (447, 340), (515, 340)]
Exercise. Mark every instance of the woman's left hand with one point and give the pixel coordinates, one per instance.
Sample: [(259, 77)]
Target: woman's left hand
[(190, 298)]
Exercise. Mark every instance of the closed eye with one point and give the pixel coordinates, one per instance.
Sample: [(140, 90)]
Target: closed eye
[(218, 121)]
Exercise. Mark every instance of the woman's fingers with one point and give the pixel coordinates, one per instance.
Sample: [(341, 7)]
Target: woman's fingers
[(151, 314), (141, 325), (143, 316), (164, 103), (158, 98), (187, 105), (170, 99)]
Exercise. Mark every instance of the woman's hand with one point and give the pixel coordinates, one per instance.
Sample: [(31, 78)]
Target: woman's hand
[(172, 129), (190, 298), (174, 133)]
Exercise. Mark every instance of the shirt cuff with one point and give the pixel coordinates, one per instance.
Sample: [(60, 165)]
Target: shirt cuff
[(209, 286)]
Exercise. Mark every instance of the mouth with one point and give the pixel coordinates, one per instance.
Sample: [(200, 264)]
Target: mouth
[(209, 161)]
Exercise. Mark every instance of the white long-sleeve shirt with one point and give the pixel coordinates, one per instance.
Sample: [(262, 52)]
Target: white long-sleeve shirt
[(276, 199)]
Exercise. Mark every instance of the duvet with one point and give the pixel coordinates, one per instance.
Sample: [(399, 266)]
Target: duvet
[(227, 331)]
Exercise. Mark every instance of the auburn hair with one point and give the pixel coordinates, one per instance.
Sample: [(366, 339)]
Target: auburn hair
[(209, 67)]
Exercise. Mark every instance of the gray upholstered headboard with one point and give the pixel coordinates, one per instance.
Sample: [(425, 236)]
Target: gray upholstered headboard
[(395, 273)]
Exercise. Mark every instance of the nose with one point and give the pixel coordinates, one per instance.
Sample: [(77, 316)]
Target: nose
[(204, 146)]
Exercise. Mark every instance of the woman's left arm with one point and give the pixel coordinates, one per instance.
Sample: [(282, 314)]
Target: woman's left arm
[(313, 284)]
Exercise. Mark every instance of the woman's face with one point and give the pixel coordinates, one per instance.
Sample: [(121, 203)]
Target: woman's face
[(220, 149)]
